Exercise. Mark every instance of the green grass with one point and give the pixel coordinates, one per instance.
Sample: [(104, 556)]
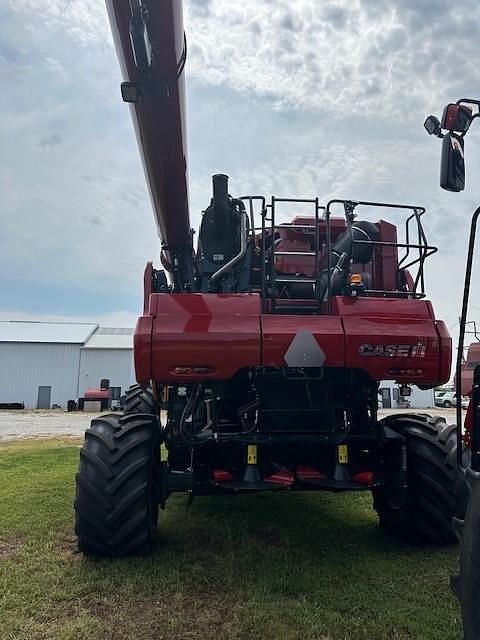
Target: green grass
[(267, 567)]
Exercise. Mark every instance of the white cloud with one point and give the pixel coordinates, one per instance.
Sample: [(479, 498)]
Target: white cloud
[(342, 57), (85, 21), (56, 66)]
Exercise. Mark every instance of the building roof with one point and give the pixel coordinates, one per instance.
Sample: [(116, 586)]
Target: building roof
[(45, 332), (110, 338)]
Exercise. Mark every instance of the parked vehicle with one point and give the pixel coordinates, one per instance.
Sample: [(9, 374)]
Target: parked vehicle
[(445, 399), (448, 399)]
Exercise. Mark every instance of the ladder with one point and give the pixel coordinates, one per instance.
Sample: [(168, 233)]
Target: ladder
[(270, 279)]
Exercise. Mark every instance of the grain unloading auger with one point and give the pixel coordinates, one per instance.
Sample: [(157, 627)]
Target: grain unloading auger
[(452, 129), (267, 343)]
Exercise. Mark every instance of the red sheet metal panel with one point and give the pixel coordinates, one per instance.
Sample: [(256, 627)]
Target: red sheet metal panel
[(385, 259), (473, 359), (279, 332), (445, 352), (392, 339), (217, 333), (346, 306), (142, 349), (190, 337)]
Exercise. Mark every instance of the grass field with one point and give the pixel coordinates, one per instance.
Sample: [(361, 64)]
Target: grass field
[(268, 567)]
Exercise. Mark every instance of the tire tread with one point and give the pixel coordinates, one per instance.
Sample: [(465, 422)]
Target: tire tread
[(115, 508), (437, 490)]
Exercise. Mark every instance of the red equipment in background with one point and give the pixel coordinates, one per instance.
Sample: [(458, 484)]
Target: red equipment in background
[(468, 367)]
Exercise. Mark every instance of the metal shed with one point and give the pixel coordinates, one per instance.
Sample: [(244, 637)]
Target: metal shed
[(39, 361), (48, 363), (390, 398), (108, 353)]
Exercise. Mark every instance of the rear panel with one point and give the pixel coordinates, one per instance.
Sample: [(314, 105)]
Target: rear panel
[(190, 337), (215, 334)]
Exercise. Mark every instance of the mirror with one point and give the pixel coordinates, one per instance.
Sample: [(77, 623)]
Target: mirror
[(456, 117), (452, 171)]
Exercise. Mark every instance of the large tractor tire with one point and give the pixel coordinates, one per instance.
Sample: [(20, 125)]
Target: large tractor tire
[(466, 585), (437, 491), (116, 503), (140, 399)]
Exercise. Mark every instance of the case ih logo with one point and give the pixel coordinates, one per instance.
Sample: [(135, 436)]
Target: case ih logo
[(393, 350)]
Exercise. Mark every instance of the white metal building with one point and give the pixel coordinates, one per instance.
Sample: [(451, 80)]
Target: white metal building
[(48, 363), (390, 397), (108, 353)]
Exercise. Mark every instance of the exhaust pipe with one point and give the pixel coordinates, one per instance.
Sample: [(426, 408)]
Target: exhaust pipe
[(220, 203)]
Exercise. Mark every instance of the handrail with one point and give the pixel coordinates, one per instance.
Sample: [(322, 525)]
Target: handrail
[(424, 249)]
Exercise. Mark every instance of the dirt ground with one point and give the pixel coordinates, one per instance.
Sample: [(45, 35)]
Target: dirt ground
[(16, 425)]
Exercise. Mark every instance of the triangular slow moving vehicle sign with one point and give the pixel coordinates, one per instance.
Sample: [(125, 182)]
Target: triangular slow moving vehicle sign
[(304, 351)]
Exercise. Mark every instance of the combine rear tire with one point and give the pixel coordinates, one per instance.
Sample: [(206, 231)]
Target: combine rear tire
[(116, 495), (466, 584), (140, 400), (437, 490)]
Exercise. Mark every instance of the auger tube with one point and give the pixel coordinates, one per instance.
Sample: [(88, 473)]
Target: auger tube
[(152, 58)]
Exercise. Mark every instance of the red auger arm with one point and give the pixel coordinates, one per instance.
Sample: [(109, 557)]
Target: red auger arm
[(151, 46)]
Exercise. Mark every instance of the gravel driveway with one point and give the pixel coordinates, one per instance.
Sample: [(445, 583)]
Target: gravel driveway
[(15, 425)]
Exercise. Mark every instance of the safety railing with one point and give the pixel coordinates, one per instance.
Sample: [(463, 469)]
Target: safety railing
[(415, 249), (415, 252)]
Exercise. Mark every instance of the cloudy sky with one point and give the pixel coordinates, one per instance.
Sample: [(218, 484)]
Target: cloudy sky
[(295, 99)]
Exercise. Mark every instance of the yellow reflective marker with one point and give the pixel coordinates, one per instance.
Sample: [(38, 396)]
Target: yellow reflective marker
[(252, 454), (342, 452), (163, 453)]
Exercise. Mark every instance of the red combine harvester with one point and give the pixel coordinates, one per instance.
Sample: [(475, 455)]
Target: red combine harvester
[(468, 367), (267, 342)]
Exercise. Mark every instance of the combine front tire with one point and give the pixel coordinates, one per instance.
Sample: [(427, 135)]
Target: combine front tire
[(116, 502), (437, 490)]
